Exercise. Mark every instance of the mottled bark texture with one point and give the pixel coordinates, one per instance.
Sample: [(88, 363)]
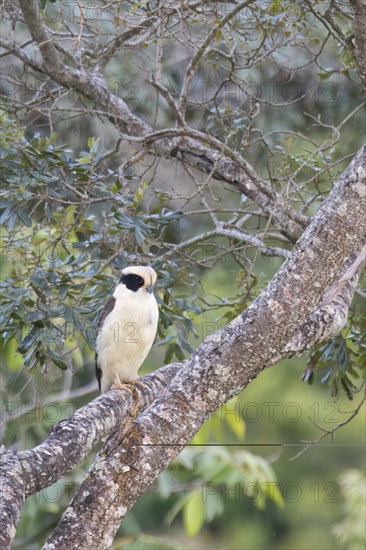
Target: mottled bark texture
[(313, 288), (27, 472), (12, 495), (359, 29), (331, 315), (225, 363)]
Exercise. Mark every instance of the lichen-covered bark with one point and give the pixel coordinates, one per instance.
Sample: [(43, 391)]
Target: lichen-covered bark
[(12, 496), (359, 28), (331, 315), (313, 289), (224, 364), (23, 473)]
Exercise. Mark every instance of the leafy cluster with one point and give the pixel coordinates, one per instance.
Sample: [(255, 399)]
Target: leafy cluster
[(207, 474), (69, 226), (220, 475), (350, 531)]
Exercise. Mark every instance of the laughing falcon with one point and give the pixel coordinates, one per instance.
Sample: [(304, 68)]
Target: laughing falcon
[(126, 328)]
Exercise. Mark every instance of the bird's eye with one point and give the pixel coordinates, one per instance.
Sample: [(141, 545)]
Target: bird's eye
[(138, 278)]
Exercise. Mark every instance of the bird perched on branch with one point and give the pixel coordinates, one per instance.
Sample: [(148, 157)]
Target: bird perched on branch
[(126, 328)]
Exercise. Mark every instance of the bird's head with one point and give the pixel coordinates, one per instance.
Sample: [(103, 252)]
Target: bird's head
[(138, 277)]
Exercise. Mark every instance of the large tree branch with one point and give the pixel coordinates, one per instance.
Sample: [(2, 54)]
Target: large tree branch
[(225, 363), (359, 29), (328, 252), (12, 493), (331, 315), (24, 473), (27, 472)]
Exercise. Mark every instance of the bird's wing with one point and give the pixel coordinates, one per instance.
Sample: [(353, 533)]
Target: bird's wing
[(102, 316)]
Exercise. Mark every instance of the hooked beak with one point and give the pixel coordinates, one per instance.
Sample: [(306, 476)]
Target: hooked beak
[(149, 288)]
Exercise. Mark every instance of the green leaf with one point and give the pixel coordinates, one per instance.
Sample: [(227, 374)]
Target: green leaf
[(5, 215), (24, 217), (93, 144), (214, 507), (275, 495), (235, 422), (33, 316), (326, 74), (140, 237), (194, 514), (164, 341), (169, 354), (165, 483), (218, 35), (178, 352), (59, 362)]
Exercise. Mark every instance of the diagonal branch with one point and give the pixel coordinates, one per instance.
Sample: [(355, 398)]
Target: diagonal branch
[(359, 29), (331, 315), (27, 472), (224, 364), (213, 157)]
